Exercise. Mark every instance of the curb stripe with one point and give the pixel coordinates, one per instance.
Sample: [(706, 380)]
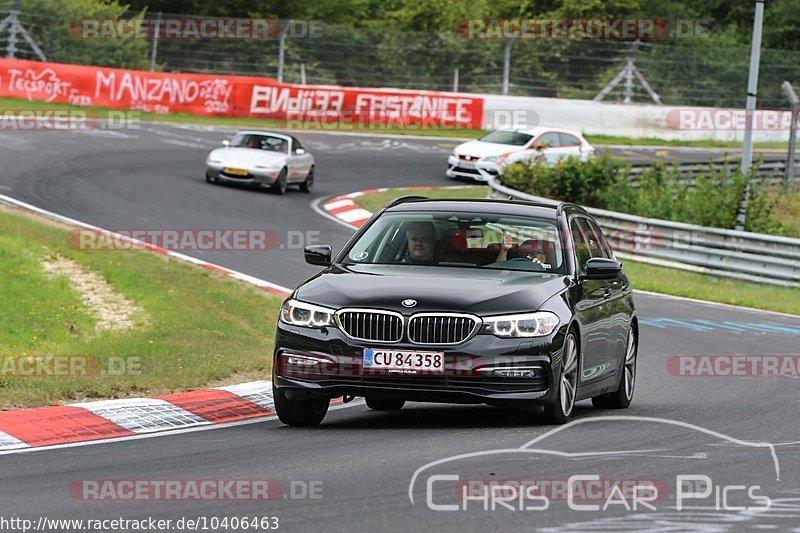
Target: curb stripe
[(216, 406), (143, 415), (60, 424)]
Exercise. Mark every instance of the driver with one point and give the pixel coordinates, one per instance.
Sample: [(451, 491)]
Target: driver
[(420, 236)]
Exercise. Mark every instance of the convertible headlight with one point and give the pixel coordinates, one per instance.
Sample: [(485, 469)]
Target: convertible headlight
[(537, 324), (306, 315)]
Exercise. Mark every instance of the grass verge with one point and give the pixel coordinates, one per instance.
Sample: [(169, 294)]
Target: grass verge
[(194, 327), (643, 276), (16, 104)]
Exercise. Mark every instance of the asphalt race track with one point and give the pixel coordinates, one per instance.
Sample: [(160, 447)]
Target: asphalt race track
[(370, 465)]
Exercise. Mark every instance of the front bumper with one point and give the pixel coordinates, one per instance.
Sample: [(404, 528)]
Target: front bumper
[(254, 177), (478, 170), (466, 377)]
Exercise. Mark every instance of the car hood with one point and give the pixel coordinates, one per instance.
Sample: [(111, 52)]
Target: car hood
[(245, 156), (484, 149), (479, 291)]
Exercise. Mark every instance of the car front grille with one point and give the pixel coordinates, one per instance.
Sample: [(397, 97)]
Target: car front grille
[(429, 328), (371, 325), (467, 170)]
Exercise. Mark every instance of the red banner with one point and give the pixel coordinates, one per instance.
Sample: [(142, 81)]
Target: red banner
[(234, 96)]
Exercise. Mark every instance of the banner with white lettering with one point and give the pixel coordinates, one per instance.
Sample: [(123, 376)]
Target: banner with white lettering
[(234, 96)]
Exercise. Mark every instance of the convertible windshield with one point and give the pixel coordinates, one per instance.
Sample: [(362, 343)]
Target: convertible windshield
[(514, 138), (261, 142), (461, 240)]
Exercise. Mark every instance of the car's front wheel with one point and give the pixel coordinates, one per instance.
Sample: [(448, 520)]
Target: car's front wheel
[(559, 411), (384, 404), (209, 179), (308, 412), (279, 187), (621, 398), (308, 183)]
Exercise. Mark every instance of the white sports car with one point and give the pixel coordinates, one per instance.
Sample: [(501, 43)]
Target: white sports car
[(486, 157), (262, 159)]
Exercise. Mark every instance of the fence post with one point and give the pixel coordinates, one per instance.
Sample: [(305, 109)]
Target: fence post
[(282, 49), (788, 90), (154, 49), (507, 63), (455, 80)]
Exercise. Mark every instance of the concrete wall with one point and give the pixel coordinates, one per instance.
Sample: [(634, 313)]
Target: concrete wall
[(633, 120)]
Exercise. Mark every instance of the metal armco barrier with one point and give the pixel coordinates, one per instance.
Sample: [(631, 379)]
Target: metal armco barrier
[(769, 172), (720, 252)]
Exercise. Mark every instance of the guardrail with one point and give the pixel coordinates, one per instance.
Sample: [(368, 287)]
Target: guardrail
[(721, 252), (769, 172)]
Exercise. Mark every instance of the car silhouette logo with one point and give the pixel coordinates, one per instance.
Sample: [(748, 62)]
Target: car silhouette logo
[(409, 302)]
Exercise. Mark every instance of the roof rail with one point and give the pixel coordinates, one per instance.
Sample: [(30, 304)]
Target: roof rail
[(404, 199), (562, 205)]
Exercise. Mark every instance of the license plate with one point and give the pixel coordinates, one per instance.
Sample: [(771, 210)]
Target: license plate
[(464, 164), (235, 171), (404, 361)]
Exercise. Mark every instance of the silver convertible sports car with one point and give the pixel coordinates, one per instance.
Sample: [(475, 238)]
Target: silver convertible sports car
[(262, 159)]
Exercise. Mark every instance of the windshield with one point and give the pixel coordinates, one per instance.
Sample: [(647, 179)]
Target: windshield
[(261, 142), (453, 239), (507, 137)]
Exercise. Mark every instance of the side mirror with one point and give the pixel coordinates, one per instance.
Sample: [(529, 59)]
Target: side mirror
[(319, 254), (299, 151), (601, 268), (226, 143)]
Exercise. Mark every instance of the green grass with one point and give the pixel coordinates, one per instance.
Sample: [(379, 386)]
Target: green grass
[(643, 276), (788, 209), (374, 201), (15, 104), (703, 287), (196, 326)]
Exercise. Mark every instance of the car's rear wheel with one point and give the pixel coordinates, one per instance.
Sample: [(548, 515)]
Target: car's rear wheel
[(384, 404), (621, 398), (560, 411), (308, 412), (279, 187), (308, 183)]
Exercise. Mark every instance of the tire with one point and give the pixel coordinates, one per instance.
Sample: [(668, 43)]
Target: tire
[(209, 179), (308, 184), (384, 404), (560, 411), (299, 412), (622, 397), (279, 187)]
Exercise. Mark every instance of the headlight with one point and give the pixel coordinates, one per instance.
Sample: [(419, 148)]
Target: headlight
[(494, 159), (268, 167), (537, 324), (213, 161), (306, 315)]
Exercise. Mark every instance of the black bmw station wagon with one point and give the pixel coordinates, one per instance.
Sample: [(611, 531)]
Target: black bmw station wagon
[(506, 303)]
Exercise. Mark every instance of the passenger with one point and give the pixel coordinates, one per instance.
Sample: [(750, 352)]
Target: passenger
[(420, 236), (536, 256)]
